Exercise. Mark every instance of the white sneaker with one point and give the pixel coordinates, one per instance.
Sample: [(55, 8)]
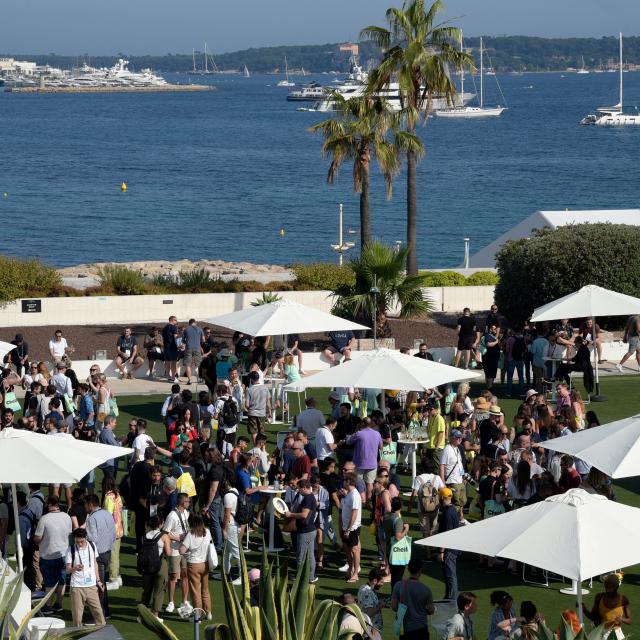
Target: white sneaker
[(237, 582), (170, 608), (209, 616), (619, 368), (119, 578), (185, 610), (113, 585), (344, 568)]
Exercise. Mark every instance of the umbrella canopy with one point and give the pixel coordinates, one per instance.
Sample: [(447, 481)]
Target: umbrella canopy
[(386, 369), (5, 347), (589, 302), (577, 535), (613, 448), (37, 458), (281, 318)]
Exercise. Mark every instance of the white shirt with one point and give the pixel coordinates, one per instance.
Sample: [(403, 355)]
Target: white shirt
[(263, 456), (351, 502), (140, 445), (177, 524), (425, 478), (310, 420), (324, 437), (62, 384), (58, 347), (453, 466), (86, 556), (29, 379), (54, 527), (197, 547)]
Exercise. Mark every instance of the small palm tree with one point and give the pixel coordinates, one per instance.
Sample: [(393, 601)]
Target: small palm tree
[(418, 53), (381, 285), (358, 132), (266, 298)]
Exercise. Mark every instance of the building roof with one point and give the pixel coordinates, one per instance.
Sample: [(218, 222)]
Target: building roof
[(552, 219)]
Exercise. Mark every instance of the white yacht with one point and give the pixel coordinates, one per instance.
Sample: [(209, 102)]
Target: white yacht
[(582, 70), (286, 82), (308, 93), (613, 116), (462, 111)]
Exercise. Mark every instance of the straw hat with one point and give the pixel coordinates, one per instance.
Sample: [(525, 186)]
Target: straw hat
[(481, 404), (495, 410)]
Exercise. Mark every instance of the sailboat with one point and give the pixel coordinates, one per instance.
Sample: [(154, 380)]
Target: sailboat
[(286, 82), (245, 72), (613, 116), (472, 112), (582, 70), (205, 71)]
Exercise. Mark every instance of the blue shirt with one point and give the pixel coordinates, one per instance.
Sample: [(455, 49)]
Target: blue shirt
[(538, 348), (193, 337), (106, 437), (101, 530), (243, 480), (340, 339), (86, 409)]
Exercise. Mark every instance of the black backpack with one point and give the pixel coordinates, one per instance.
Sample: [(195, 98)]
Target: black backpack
[(229, 413), (149, 558), (124, 489), (519, 348), (244, 508)]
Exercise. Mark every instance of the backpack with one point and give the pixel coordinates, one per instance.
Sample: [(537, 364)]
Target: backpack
[(149, 559), (124, 488), (244, 508), (519, 348), (32, 528), (185, 484), (428, 496), (229, 413)]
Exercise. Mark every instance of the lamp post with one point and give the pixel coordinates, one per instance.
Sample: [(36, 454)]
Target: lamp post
[(466, 253), (342, 246), (375, 291)]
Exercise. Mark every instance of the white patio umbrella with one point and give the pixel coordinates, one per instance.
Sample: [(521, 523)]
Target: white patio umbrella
[(282, 318), (5, 347), (589, 302), (614, 448), (577, 535), (27, 457), (387, 369)]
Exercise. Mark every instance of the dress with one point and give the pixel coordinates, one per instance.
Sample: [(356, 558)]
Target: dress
[(490, 360)]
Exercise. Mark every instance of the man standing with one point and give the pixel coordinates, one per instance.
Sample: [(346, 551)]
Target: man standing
[(449, 520), (177, 526), (452, 469), (468, 337), (127, 353), (368, 599), (305, 509), (61, 382), (351, 520), (418, 599), (460, 625), (52, 536), (436, 437), (169, 334), (193, 337), (257, 405), (140, 481), (58, 346), (425, 488), (539, 349), (569, 476), (325, 443), (85, 585), (107, 437), (301, 468), (311, 419), (342, 343), (367, 444), (101, 531), (20, 355)]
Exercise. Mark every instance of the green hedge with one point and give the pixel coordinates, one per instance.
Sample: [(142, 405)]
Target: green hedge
[(27, 278), (482, 279), (455, 279), (323, 275)]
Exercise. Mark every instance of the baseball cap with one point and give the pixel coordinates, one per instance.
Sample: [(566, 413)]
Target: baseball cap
[(445, 492), (456, 433), (334, 395), (61, 365)]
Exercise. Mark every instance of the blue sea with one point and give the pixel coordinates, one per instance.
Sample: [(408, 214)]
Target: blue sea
[(216, 175)]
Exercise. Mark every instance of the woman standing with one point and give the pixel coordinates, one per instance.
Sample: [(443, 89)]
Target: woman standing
[(194, 548), (610, 608), (504, 609), (113, 504), (381, 506), (394, 530), (103, 398), (491, 341), (155, 584), (577, 403)]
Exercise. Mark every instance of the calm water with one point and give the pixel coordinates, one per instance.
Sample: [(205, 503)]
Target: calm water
[(216, 175)]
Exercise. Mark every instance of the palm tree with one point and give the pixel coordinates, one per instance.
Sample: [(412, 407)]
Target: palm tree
[(360, 130), (417, 52), (381, 285)]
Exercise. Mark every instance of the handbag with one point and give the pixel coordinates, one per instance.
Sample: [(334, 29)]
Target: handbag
[(493, 508), (68, 403), (212, 556), (113, 408), (289, 525), (401, 612), (400, 552), (389, 453), (11, 402)]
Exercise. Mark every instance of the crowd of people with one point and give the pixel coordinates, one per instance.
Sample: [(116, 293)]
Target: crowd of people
[(194, 494)]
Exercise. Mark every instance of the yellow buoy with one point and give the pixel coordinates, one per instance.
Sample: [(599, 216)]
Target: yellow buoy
[(123, 187), (281, 233)]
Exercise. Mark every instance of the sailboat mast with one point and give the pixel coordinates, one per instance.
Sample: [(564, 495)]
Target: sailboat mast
[(481, 76), (193, 56), (621, 72), (461, 74), (206, 59)]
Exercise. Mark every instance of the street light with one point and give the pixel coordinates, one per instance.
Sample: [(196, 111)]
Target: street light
[(342, 246), (375, 291)]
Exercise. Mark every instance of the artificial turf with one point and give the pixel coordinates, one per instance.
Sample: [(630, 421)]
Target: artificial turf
[(623, 401)]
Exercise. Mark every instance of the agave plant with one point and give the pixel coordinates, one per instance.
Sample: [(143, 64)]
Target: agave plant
[(567, 632), (266, 298), (285, 612), (9, 596)]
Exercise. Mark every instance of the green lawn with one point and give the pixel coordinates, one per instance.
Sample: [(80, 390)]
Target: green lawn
[(624, 400)]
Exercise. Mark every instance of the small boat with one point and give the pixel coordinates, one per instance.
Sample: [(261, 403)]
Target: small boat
[(307, 93), (285, 82), (582, 70), (246, 73)]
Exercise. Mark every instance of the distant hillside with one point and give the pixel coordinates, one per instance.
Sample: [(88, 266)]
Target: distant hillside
[(507, 53)]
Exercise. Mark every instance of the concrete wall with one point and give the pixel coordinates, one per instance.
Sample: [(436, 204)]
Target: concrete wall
[(151, 309)]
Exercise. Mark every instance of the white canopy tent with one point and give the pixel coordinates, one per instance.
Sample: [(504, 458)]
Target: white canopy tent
[(5, 347), (589, 302), (282, 318), (577, 535), (27, 457), (387, 369), (614, 448)]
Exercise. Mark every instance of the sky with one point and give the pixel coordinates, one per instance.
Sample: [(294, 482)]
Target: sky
[(75, 27)]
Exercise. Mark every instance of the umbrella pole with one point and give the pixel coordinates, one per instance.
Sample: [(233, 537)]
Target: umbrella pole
[(16, 519), (594, 336), (579, 600)]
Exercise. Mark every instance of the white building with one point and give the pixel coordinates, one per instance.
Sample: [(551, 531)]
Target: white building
[(8, 65), (486, 258)]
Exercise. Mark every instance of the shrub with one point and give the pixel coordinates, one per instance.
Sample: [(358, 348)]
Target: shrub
[(482, 278), (25, 278), (123, 281), (266, 298), (553, 263), (194, 281), (323, 275), (443, 279)]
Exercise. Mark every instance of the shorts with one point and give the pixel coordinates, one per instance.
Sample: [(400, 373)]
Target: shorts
[(176, 563), (66, 485), (428, 522), (352, 538), (634, 344), (465, 343), (170, 355), (53, 572), (192, 357), (368, 475), (459, 494), (255, 424)]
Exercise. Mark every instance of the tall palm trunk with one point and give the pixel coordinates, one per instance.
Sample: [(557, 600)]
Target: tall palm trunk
[(365, 211), (412, 214)]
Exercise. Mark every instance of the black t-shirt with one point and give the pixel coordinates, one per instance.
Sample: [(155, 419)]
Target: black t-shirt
[(215, 473), (492, 319), (340, 339), (423, 356), (330, 482), (140, 478), (486, 488), (467, 326), (79, 511), (309, 524), (127, 344), (169, 333), (449, 519)]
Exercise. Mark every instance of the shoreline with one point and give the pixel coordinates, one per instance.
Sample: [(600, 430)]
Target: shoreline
[(159, 89)]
